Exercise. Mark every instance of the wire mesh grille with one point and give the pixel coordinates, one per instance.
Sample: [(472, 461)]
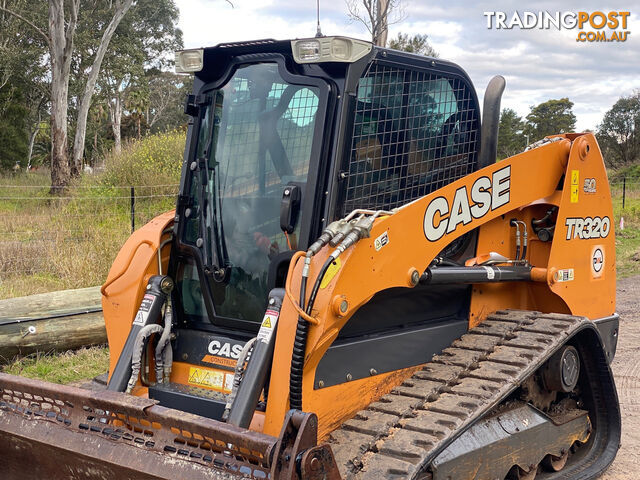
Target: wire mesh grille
[(260, 149), (414, 132)]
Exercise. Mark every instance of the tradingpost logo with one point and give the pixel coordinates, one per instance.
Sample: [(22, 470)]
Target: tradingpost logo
[(590, 26)]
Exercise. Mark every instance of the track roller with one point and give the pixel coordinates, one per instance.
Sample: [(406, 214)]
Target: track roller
[(518, 473), (555, 464)]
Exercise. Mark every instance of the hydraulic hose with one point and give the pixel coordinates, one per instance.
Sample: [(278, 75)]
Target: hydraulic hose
[(316, 285), (138, 346), (300, 341), (447, 261), (516, 223), (163, 342), (167, 360), (297, 356), (524, 238)]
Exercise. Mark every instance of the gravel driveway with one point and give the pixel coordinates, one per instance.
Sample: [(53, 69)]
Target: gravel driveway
[(626, 368)]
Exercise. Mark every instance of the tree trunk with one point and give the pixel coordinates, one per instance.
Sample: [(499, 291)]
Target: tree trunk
[(121, 8), (115, 114), (382, 23), (138, 125), (59, 162), (32, 140), (60, 48)]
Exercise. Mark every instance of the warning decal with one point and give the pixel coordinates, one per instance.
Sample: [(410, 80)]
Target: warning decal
[(566, 275), (215, 379), (268, 324), (575, 187), (331, 272), (145, 307)]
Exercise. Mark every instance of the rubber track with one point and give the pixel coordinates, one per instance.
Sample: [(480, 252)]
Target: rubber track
[(398, 436)]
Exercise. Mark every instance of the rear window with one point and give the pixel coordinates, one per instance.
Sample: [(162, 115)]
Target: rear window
[(413, 132)]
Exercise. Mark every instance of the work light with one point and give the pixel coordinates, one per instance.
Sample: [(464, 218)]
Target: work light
[(189, 61), (329, 49)]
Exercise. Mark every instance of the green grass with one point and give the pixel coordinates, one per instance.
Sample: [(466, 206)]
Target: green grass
[(628, 252), (63, 368), (627, 240)]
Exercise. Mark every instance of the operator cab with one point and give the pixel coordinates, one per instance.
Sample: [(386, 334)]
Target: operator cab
[(287, 136), (345, 124)]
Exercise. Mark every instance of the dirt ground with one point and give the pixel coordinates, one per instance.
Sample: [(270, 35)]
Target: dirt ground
[(626, 368)]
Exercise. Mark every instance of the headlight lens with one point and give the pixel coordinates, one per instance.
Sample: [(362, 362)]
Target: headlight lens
[(189, 61), (308, 51), (329, 49)]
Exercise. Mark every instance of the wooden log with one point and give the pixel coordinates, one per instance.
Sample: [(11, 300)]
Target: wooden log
[(64, 320)]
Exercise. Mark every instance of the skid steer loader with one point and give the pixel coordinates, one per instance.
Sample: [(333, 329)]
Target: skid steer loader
[(350, 287)]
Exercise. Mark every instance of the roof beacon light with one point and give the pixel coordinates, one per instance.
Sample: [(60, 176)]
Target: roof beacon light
[(329, 49), (189, 61)]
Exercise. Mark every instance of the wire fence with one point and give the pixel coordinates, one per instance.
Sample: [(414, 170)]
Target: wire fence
[(625, 193), (52, 242), (70, 240)]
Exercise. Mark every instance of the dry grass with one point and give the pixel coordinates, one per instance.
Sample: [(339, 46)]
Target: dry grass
[(50, 242), (57, 244), (68, 367)]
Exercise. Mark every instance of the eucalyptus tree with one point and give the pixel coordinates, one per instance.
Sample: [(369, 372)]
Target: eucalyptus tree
[(142, 47), (57, 28)]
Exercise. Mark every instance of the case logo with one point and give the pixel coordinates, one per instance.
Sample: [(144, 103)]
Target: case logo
[(225, 349), (487, 194)]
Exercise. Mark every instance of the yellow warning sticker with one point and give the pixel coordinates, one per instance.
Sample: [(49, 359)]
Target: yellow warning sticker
[(565, 275), (575, 182), (574, 193), (205, 377), (331, 272), (575, 177), (266, 323)]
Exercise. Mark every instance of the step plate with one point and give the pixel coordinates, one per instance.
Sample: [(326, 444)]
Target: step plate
[(199, 401)]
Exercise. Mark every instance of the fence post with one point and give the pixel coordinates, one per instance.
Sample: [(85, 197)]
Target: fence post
[(624, 190), (133, 209)]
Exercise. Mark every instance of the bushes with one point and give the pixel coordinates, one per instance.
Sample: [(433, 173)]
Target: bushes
[(632, 173), (154, 160)]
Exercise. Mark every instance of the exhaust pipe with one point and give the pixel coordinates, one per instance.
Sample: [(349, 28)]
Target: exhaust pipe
[(490, 121)]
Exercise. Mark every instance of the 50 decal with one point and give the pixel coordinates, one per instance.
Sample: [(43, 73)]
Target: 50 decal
[(487, 194), (586, 228)]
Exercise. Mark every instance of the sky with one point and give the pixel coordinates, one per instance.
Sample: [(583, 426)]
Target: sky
[(538, 64)]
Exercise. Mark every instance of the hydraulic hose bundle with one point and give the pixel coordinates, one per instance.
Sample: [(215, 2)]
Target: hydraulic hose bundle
[(516, 223), (164, 352), (340, 234), (146, 322)]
